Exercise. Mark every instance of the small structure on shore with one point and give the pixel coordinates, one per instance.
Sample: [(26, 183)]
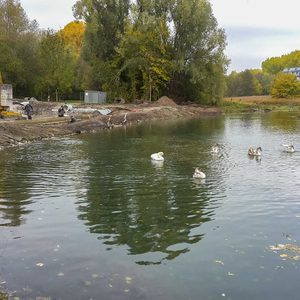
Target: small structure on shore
[(6, 97), (96, 97)]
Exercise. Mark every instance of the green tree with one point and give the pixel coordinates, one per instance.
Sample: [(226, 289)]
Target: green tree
[(244, 83), (198, 52), (105, 21), (18, 47), (57, 66), (264, 79), (143, 56), (186, 58), (285, 86), (274, 65)]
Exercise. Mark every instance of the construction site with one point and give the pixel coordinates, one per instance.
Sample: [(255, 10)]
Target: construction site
[(16, 128)]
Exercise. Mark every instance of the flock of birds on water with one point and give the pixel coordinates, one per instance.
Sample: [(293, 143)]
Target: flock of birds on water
[(198, 174)]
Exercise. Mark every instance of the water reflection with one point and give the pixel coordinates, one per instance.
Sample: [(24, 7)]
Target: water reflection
[(14, 190), (281, 121), (151, 207)]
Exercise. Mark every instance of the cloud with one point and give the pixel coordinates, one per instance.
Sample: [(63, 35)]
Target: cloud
[(53, 14), (259, 13), (248, 47)]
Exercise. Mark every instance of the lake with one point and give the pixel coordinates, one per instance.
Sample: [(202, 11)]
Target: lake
[(91, 217)]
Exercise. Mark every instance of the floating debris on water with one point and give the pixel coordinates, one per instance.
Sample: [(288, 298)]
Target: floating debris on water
[(39, 264), (294, 249), (128, 279), (87, 283)]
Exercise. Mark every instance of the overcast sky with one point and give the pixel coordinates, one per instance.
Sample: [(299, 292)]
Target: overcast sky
[(255, 29)]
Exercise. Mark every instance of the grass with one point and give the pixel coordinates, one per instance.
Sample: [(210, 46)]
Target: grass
[(260, 103)]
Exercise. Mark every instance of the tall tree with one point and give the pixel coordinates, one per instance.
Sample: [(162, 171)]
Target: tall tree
[(245, 83), (144, 55), (173, 43), (198, 52), (105, 24), (18, 47), (57, 64)]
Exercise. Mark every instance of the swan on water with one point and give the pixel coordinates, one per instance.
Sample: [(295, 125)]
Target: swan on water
[(289, 148), (215, 149), (199, 174), (255, 152), (157, 156)]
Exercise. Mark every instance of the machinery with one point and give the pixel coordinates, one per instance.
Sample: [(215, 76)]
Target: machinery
[(6, 101)]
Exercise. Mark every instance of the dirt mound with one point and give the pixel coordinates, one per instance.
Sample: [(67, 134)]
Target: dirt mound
[(165, 101)]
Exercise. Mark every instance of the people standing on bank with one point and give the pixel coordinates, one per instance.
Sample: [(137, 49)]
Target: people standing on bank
[(61, 111), (29, 111)]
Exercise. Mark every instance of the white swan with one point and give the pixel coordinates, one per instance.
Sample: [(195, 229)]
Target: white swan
[(289, 148), (199, 174), (157, 156), (255, 152), (215, 149)]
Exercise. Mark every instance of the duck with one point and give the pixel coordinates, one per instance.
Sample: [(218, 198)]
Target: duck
[(157, 156), (199, 174), (255, 152), (289, 148)]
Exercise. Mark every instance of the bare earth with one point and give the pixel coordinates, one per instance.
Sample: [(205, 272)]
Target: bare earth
[(46, 124)]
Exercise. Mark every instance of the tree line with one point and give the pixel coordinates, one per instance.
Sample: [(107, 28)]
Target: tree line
[(131, 49), (270, 80)]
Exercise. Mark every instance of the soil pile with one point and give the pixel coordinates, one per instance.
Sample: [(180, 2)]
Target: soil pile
[(165, 101)]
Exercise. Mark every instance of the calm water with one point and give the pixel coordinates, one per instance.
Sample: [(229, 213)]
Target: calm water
[(91, 217)]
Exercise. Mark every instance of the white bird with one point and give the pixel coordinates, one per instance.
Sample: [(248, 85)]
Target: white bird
[(157, 156), (215, 149), (255, 152), (289, 148), (199, 174)]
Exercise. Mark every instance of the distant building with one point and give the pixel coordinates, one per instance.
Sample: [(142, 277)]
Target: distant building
[(94, 97), (295, 71)]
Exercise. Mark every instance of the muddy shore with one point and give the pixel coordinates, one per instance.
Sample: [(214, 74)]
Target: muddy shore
[(46, 124)]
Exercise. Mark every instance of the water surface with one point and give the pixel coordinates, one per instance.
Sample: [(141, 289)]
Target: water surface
[(91, 217)]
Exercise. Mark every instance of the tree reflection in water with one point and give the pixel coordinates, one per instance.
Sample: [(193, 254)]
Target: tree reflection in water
[(155, 211)]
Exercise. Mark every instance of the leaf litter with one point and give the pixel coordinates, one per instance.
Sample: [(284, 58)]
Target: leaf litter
[(291, 251)]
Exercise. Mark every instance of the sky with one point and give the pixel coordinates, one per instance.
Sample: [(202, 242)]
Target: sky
[(255, 29)]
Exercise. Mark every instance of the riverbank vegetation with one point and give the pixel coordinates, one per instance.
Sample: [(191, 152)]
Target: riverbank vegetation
[(270, 80), (131, 50), (260, 103)]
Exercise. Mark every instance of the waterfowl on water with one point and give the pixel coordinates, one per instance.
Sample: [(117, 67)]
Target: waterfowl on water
[(199, 174), (157, 156), (215, 149), (255, 152), (289, 148)]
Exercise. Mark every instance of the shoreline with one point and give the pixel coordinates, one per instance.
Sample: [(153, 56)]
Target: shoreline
[(46, 124)]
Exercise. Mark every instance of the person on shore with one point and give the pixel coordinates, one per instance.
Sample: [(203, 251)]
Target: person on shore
[(29, 111), (61, 111), (72, 118)]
